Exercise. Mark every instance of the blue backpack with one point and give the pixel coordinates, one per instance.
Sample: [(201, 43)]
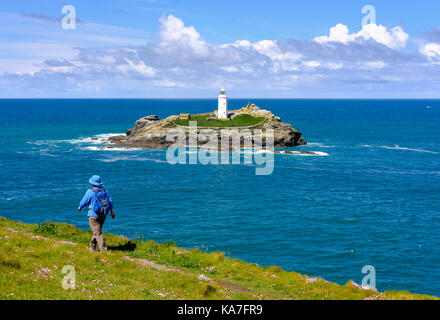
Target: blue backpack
[(101, 205)]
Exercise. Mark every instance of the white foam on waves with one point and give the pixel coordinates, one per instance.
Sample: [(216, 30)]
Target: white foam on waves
[(397, 147), (319, 145), (127, 158), (102, 148), (302, 154), (97, 139)]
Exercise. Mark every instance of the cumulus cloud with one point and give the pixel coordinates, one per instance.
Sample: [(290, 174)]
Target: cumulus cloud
[(182, 60), (282, 60), (431, 51), (394, 38), (173, 33)]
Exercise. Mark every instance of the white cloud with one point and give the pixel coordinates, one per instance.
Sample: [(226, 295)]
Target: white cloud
[(334, 66), (372, 65), (107, 59), (62, 69), (168, 84), (173, 33), (230, 69), (139, 68), (239, 43), (311, 64), (181, 58), (282, 60), (338, 33), (394, 38), (431, 51)]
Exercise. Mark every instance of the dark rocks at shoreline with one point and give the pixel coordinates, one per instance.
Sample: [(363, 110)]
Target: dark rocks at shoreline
[(151, 133)]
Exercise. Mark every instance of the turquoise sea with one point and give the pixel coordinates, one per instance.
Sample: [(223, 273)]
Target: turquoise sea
[(371, 198)]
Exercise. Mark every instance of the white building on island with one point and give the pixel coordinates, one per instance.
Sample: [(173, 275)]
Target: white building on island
[(222, 105)]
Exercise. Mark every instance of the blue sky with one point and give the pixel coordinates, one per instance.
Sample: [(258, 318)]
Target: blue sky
[(189, 49)]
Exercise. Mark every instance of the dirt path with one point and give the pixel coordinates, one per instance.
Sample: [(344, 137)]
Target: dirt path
[(34, 236), (228, 286)]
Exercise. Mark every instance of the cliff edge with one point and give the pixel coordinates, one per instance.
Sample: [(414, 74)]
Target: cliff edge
[(151, 132), (33, 257)]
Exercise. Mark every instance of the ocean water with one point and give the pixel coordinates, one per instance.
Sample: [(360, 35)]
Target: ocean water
[(374, 199)]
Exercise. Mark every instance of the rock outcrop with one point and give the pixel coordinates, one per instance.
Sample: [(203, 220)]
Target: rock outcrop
[(150, 132), (141, 123)]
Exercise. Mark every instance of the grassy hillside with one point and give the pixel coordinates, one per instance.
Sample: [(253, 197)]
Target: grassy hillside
[(32, 258), (242, 120)]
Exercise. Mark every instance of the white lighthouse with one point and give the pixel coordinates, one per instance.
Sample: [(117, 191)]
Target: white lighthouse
[(222, 105)]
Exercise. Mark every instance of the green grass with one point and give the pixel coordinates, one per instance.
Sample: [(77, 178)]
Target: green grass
[(32, 258), (242, 120)]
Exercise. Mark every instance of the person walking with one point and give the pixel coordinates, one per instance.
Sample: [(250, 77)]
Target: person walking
[(100, 205)]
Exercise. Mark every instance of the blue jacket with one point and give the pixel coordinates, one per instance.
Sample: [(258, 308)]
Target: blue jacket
[(89, 200)]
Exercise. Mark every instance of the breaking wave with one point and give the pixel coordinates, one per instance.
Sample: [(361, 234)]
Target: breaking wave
[(126, 158), (311, 154), (103, 148), (397, 147), (96, 139), (319, 145)]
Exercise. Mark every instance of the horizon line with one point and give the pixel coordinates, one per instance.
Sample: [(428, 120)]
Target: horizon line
[(237, 98)]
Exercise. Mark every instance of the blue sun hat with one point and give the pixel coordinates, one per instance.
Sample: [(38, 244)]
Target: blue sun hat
[(95, 181)]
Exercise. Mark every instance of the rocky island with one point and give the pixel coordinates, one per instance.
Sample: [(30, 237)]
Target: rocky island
[(151, 132)]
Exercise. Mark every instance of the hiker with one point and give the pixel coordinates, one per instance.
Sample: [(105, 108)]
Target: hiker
[(100, 204)]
